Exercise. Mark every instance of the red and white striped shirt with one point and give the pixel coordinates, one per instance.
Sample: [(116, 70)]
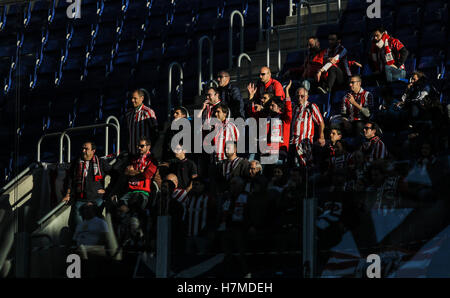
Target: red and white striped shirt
[(302, 124), (140, 122), (197, 212), (374, 149), (227, 131), (363, 98), (208, 113), (340, 54), (180, 195)]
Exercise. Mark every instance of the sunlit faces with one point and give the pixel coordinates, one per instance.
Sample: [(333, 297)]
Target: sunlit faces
[(302, 95), (369, 131), (335, 136), (264, 74), (220, 114), (223, 79), (137, 100), (87, 151), (143, 147)]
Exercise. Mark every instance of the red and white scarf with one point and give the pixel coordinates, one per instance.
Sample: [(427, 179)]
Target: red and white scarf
[(82, 172), (382, 47)]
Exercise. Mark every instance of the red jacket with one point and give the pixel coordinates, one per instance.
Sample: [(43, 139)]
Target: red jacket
[(143, 181), (272, 86), (286, 119)]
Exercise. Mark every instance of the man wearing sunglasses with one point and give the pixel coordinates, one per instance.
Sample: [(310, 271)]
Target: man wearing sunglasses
[(230, 94), (373, 148), (357, 104), (265, 85), (140, 173)]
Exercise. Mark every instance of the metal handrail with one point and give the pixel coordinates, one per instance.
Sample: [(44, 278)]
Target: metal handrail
[(18, 177), (169, 93), (302, 2), (112, 118), (51, 213), (244, 55), (52, 135), (268, 46), (230, 39), (211, 52), (84, 128)]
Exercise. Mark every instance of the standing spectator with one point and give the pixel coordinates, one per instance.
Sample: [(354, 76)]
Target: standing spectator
[(201, 218), (357, 105), (302, 129), (373, 148), (140, 173), (92, 230), (254, 170), (387, 56), (140, 121), (265, 84), (234, 166), (230, 94), (86, 181), (336, 68)]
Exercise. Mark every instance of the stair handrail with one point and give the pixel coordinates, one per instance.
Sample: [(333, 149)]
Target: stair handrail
[(169, 92), (55, 134), (244, 55), (299, 16), (230, 37), (108, 120), (211, 57), (268, 31), (65, 132)]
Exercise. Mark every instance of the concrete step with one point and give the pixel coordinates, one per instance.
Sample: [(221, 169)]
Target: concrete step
[(318, 13)]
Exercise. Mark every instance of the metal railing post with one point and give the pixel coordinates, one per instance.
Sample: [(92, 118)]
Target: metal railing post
[(268, 31), (299, 19), (230, 40), (169, 93), (309, 237), (260, 32), (244, 55), (328, 11), (64, 133), (211, 52), (52, 135), (108, 120), (291, 10), (339, 9), (271, 13)]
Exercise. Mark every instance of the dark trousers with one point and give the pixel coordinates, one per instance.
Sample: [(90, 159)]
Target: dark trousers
[(335, 77)]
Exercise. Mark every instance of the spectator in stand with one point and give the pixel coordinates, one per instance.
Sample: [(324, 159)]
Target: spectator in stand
[(178, 113), (259, 108), (234, 221), (86, 181), (387, 56), (373, 149), (234, 166), (226, 131), (184, 168), (140, 174), (209, 107), (266, 84), (279, 125), (311, 66), (302, 129), (179, 194), (278, 180), (230, 94), (201, 218), (140, 121), (357, 105), (336, 69), (415, 96), (93, 229)]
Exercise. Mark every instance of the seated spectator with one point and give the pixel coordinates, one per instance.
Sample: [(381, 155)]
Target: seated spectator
[(179, 194), (255, 170), (93, 229), (387, 56), (357, 105), (230, 94), (414, 99), (184, 168), (373, 148), (234, 166), (336, 69), (311, 66), (209, 107), (390, 113), (278, 180), (201, 218), (178, 113)]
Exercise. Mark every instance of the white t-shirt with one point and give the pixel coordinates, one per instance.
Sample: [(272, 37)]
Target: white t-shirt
[(89, 232)]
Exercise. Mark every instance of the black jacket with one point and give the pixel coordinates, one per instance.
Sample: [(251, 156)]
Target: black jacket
[(231, 95)]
